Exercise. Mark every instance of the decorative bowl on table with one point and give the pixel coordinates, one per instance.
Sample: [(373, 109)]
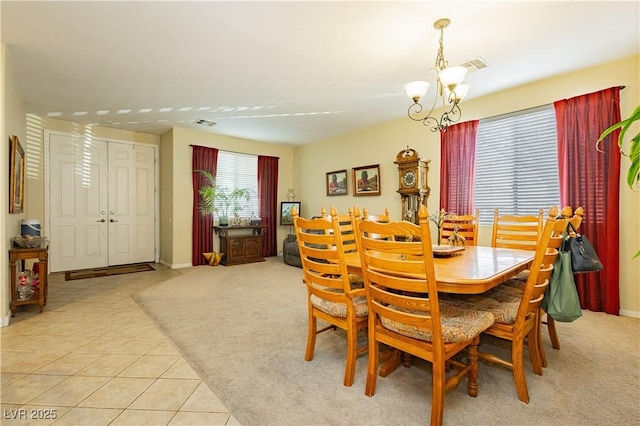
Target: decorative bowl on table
[(29, 241)]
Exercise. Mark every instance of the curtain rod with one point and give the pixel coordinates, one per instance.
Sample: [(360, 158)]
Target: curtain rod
[(526, 110), (225, 150), (237, 152)]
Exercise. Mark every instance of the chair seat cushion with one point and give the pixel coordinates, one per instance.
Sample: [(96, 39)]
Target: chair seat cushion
[(356, 281), (458, 324), (501, 302), (521, 276), (515, 284), (340, 309)]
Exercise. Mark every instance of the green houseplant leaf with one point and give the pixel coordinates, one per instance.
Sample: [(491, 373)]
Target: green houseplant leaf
[(211, 192), (633, 174)]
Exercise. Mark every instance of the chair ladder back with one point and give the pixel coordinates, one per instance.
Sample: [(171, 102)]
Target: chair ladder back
[(517, 232), (542, 266), (381, 218), (345, 229), (465, 226)]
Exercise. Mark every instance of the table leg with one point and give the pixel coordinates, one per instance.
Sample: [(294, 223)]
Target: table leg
[(390, 365)]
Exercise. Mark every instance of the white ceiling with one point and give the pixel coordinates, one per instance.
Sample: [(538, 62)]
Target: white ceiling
[(288, 72)]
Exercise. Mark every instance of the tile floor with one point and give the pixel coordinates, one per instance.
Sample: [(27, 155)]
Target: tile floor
[(93, 357)]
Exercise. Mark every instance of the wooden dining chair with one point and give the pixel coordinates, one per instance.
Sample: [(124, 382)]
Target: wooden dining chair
[(345, 224), (381, 218), (520, 279), (465, 226), (330, 295), (516, 232), (517, 315), (405, 312)]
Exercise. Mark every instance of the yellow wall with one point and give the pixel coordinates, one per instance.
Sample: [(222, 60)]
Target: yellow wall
[(12, 122), (381, 143), (166, 186)]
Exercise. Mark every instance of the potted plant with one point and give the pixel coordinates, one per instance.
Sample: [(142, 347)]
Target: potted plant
[(228, 198)]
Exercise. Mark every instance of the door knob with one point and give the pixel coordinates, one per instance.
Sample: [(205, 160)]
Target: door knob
[(101, 220), (112, 220)]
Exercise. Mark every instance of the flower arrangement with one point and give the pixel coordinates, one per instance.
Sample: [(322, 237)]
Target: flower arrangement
[(438, 218)]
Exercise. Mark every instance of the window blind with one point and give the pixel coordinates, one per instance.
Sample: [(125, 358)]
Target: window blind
[(517, 164), (235, 170)]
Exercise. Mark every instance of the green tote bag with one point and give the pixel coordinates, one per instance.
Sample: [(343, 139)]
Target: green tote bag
[(561, 300)]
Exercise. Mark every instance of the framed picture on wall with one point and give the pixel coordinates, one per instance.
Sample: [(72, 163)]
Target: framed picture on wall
[(286, 218), (366, 180), (337, 183), (16, 176)]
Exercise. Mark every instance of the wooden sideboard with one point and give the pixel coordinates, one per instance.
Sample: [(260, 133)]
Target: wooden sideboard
[(241, 244)]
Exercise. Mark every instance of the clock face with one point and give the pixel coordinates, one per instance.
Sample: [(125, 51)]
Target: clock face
[(409, 178)]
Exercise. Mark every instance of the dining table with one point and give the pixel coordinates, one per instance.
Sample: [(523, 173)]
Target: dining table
[(466, 270), (470, 270)]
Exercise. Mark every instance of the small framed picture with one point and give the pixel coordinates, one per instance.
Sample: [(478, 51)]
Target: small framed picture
[(366, 180), (16, 176), (337, 183), (286, 218)]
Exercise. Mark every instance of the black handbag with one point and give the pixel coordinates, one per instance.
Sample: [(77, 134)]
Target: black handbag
[(583, 257)]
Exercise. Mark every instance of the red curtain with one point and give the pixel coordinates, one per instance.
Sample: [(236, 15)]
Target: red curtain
[(267, 194), (591, 179), (457, 167), (202, 158)]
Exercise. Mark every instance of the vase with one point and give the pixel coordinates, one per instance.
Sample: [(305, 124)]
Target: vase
[(223, 220)]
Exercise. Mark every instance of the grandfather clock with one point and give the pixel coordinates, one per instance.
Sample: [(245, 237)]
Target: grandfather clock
[(413, 188)]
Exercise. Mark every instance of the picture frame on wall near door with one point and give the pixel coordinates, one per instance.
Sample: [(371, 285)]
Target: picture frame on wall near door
[(16, 176)]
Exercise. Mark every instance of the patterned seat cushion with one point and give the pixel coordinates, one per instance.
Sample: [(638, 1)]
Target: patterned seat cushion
[(501, 302), (340, 309), (458, 324), (357, 281), (521, 276)]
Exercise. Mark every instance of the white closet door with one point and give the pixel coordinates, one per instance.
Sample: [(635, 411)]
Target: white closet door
[(131, 204), (101, 203), (78, 203)]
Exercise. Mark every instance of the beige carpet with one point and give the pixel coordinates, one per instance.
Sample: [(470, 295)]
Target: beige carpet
[(104, 272), (243, 328)]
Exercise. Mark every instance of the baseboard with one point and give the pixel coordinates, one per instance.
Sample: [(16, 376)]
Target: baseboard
[(632, 314), (177, 266), (5, 320)]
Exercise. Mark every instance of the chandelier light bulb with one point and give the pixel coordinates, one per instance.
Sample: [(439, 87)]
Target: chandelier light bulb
[(416, 89), (459, 92), (452, 76)]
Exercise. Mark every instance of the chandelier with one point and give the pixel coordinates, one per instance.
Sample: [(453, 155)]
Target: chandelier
[(449, 89)]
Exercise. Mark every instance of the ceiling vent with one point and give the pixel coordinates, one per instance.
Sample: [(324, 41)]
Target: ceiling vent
[(476, 64), (203, 122)]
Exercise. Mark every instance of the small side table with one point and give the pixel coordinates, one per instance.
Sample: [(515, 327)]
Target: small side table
[(39, 297)]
